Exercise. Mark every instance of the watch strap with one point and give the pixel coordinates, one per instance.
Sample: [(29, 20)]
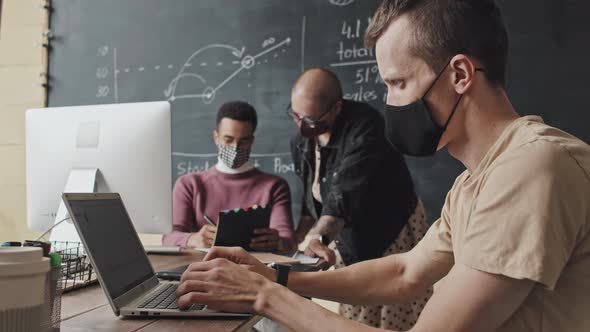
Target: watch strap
[(282, 273)]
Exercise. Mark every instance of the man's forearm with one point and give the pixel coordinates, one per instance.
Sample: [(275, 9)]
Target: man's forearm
[(329, 226), (373, 282), (299, 314), (176, 238)]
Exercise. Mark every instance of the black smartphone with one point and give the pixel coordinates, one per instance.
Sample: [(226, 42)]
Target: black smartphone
[(173, 274)]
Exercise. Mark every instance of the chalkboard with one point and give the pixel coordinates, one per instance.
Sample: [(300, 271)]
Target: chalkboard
[(201, 53)]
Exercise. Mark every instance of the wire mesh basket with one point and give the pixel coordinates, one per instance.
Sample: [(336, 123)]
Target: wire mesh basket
[(76, 270), (51, 309)]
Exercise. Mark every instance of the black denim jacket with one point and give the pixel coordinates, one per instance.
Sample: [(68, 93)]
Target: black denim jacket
[(363, 179)]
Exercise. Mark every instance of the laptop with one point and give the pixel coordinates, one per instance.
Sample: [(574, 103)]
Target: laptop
[(120, 261)]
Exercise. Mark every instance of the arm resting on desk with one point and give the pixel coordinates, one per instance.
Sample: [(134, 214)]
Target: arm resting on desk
[(396, 278), (492, 299), (392, 279), (225, 285)]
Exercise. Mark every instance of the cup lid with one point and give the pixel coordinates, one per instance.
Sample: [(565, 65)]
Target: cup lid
[(22, 261)]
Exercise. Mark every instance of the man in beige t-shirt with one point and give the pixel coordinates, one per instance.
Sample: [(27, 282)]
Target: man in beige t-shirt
[(511, 250), (523, 213)]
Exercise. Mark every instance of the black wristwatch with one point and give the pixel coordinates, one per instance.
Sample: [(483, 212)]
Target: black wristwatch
[(282, 272), (325, 240)]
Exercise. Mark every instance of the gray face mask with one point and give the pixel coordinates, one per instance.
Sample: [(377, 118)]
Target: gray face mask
[(233, 156)]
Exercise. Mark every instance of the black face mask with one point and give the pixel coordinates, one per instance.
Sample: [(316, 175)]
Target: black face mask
[(412, 129), (310, 131), (308, 127)]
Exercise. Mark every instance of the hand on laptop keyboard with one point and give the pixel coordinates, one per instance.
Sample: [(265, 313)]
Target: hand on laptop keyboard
[(165, 298)]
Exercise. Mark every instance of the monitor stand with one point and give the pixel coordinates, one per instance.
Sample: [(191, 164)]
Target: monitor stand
[(80, 180)]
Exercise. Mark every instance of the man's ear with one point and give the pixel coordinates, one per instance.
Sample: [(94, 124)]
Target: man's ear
[(339, 106), (462, 72), (337, 109)]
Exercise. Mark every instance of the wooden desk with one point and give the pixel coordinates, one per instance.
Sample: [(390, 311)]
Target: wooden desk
[(88, 309)]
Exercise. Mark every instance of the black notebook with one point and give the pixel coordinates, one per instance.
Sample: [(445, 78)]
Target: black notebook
[(235, 228)]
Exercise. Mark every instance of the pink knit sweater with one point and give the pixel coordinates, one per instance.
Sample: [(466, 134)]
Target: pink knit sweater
[(211, 191)]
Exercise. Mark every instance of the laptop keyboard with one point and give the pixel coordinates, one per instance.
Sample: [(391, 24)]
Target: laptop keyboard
[(165, 298)]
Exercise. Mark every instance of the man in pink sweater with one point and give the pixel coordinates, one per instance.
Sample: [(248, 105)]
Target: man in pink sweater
[(230, 184)]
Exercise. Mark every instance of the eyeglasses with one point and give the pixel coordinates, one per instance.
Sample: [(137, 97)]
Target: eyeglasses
[(308, 120)]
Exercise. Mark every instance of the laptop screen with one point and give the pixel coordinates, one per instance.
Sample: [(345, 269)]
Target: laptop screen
[(113, 243)]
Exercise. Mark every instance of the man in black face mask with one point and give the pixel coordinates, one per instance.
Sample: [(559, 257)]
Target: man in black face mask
[(356, 186), (513, 239)]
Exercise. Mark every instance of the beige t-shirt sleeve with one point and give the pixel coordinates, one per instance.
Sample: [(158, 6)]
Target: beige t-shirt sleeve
[(526, 220), (436, 243)]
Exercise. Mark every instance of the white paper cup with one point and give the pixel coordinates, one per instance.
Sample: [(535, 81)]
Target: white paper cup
[(23, 271)]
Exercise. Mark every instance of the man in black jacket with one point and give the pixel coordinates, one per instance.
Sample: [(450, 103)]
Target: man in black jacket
[(356, 185)]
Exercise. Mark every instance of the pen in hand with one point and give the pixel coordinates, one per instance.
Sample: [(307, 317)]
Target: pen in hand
[(209, 220)]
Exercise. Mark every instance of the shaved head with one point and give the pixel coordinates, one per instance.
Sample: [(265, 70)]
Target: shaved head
[(318, 85)]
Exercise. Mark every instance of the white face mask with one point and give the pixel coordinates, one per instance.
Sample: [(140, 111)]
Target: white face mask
[(233, 156)]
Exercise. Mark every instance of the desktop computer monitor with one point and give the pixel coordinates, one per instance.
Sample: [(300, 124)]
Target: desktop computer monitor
[(119, 148)]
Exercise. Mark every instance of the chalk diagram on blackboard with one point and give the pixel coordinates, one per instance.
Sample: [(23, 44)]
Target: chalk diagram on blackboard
[(193, 76), (341, 2)]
